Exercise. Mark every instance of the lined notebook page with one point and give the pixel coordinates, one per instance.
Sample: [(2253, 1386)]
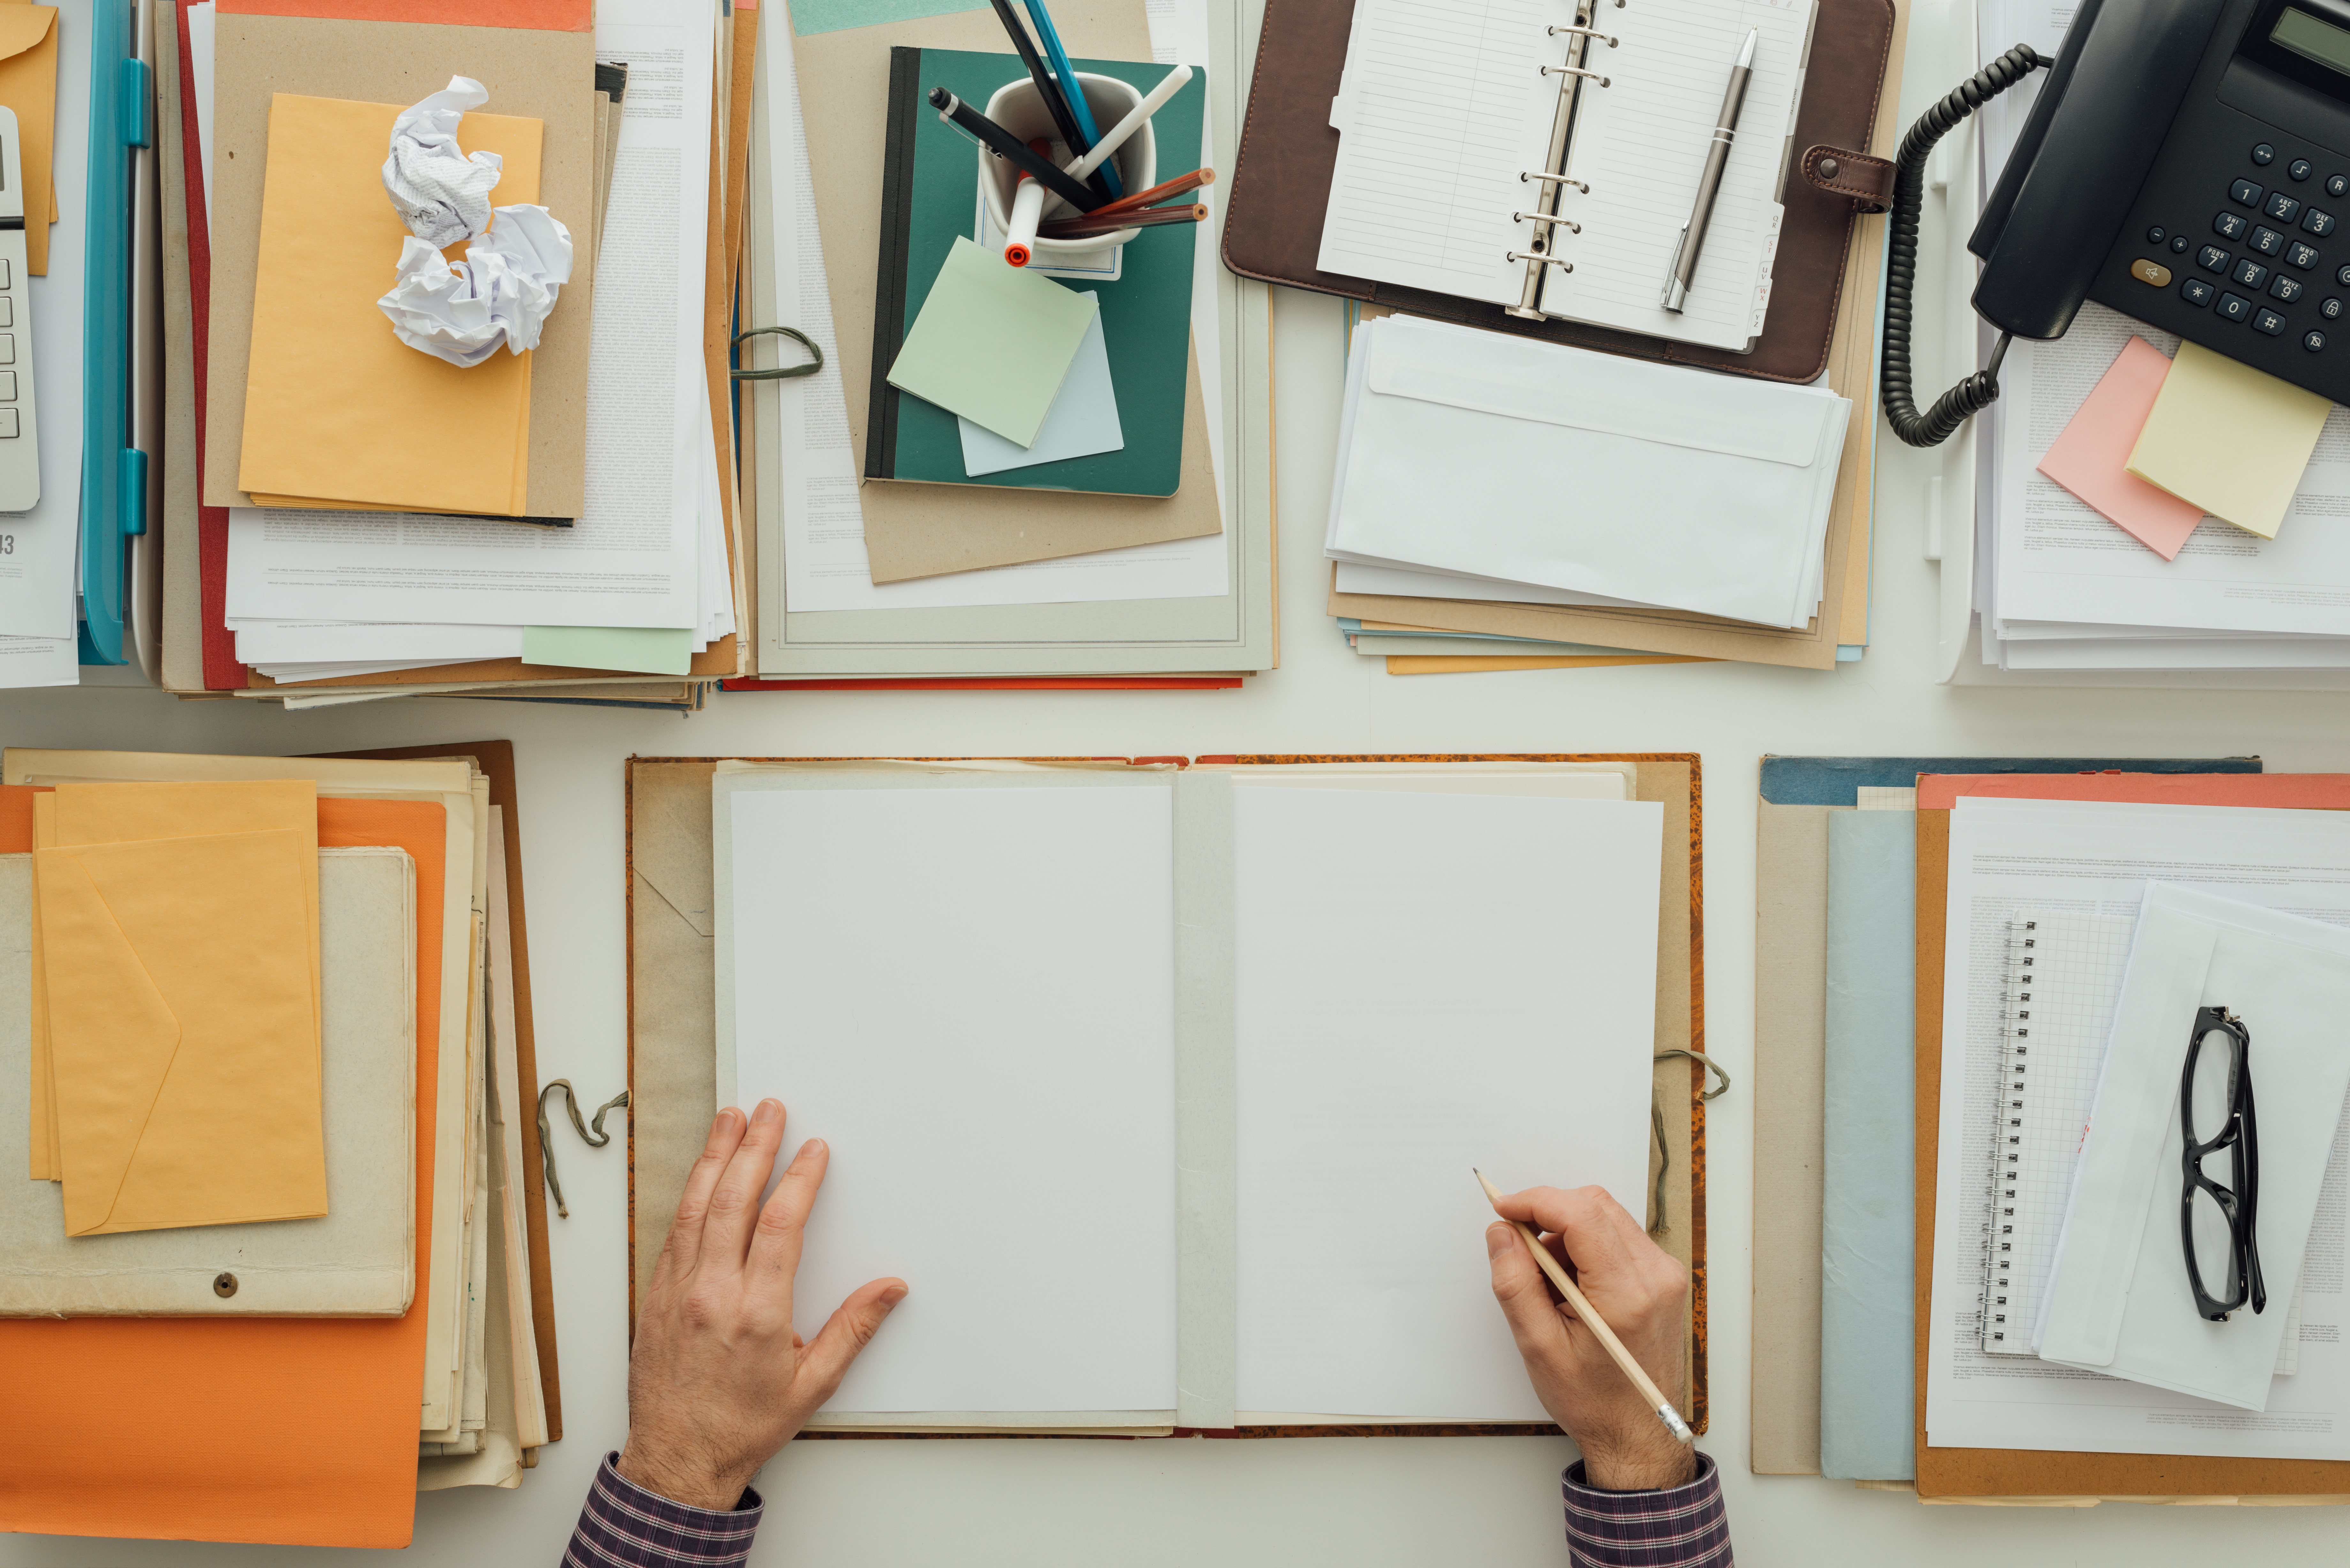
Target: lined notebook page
[(1443, 104), (1641, 144)]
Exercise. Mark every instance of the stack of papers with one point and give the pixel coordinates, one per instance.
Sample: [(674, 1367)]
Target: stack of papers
[(2163, 508), (391, 512), (1474, 465), (270, 1075)]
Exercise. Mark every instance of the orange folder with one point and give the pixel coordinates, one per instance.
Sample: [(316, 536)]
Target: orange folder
[(123, 1427)]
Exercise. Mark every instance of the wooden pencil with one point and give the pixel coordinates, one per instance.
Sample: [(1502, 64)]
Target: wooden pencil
[(1088, 223), (1158, 194), (1575, 1299)]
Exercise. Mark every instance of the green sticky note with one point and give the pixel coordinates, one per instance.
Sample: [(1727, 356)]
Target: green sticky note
[(645, 650), (994, 342), (835, 15), (2229, 439)]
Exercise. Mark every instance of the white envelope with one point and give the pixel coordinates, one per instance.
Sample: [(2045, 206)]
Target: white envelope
[(2118, 1299), (1474, 452)]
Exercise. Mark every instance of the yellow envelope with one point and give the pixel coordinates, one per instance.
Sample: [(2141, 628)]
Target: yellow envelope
[(335, 408), (28, 83), (111, 813), (183, 1036)]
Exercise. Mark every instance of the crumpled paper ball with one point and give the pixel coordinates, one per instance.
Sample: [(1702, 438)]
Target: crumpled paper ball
[(518, 259)]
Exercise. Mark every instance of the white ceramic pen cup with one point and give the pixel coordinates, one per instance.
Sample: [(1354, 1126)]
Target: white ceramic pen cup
[(1018, 108)]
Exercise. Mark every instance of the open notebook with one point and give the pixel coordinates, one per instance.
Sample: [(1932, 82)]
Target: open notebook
[(1444, 108), (1161, 1087)]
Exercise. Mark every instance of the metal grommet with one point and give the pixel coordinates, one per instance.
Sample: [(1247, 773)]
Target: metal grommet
[(224, 1285), (1830, 168)]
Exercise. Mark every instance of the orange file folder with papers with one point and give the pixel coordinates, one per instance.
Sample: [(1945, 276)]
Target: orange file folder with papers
[(177, 1429)]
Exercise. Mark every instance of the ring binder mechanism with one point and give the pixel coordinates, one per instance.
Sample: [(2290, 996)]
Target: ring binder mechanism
[(1545, 214), (1585, 101)]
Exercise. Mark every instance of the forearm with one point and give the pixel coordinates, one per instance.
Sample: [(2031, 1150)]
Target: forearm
[(1678, 1527), (625, 1524)]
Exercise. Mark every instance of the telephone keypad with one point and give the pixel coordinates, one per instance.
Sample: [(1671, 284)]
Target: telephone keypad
[(2301, 255), (2301, 169), (2245, 193), (2337, 185), (2232, 307), (2213, 259), (2251, 273), (2268, 242), (2179, 245), (2330, 309), (2284, 209), (2155, 236), (2231, 226), (2269, 321), (2263, 153), (2312, 341), (2284, 290), (2195, 291), (2318, 223)]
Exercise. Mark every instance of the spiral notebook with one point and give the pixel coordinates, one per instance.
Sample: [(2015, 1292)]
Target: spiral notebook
[(1543, 154), (2062, 973)]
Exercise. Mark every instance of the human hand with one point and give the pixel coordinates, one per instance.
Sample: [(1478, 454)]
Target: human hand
[(718, 1381), (1638, 1288)]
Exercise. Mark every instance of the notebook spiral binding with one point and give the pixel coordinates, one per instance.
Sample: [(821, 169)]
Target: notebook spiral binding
[(2007, 1139), (1551, 179)]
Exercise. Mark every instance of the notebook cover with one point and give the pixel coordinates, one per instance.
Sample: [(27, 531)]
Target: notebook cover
[(2028, 1473), (1798, 794), (1281, 190), (928, 199), (673, 1024)]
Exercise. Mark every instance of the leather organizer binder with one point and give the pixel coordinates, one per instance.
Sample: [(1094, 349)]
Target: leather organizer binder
[(1280, 189)]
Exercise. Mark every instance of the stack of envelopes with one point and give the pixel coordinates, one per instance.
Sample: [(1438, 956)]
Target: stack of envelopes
[(261, 1148)]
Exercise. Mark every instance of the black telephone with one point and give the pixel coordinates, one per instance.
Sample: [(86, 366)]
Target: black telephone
[(2188, 163)]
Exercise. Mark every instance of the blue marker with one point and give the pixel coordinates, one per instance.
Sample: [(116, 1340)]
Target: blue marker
[(1059, 58)]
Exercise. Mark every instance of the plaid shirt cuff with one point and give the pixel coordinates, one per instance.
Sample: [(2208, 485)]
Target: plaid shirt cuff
[(625, 1526), (1683, 1526)]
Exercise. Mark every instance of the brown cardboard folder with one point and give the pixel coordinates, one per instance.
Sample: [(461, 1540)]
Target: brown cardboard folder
[(672, 1018), (2020, 1474)]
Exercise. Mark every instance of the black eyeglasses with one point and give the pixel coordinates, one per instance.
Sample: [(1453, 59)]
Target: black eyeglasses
[(2217, 1224)]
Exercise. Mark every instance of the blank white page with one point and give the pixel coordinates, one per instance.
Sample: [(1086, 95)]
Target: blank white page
[(968, 993), (1424, 982), (1443, 105)]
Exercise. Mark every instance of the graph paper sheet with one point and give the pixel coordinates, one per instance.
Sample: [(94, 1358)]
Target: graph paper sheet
[(2063, 971), (2089, 863)]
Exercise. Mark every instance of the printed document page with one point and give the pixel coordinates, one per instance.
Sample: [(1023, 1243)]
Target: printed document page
[(2057, 559), (2011, 854), (968, 994), (634, 558), (1415, 995)]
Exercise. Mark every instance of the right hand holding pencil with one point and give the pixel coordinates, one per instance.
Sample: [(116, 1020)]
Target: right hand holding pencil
[(1638, 1288)]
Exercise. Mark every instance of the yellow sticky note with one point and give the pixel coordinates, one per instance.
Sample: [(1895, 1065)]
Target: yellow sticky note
[(28, 83), (2231, 439), (335, 408), (183, 1036)]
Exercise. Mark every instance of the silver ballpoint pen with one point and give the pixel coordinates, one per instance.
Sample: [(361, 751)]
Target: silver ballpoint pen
[(1708, 184)]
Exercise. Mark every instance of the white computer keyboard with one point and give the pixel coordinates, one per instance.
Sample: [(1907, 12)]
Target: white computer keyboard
[(20, 455)]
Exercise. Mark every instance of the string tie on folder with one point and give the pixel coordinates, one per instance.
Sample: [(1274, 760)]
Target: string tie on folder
[(779, 372), (596, 1139), (516, 258)]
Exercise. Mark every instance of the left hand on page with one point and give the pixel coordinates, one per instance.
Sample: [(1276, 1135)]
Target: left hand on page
[(718, 1381)]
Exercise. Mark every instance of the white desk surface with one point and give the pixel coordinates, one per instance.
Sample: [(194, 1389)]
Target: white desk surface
[(1370, 1503)]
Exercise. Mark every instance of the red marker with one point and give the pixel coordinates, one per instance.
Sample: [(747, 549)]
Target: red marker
[(1027, 206)]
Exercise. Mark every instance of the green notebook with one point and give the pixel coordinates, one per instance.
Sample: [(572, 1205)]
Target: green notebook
[(930, 196)]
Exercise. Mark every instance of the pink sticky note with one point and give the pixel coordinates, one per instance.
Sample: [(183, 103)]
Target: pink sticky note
[(2091, 458)]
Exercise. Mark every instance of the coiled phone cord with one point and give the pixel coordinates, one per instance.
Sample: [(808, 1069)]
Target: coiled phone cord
[(1979, 390)]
